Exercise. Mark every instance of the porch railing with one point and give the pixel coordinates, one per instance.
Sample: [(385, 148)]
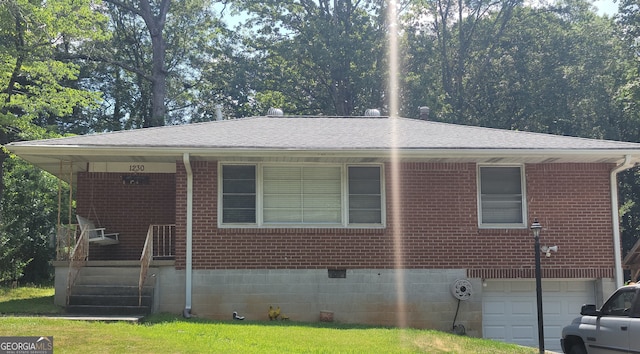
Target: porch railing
[(66, 236), (159, 243), (163, 241), (77, 259)]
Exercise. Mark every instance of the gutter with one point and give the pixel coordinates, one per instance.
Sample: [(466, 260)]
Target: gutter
[(617, 251), (375, 151), (189, 254)]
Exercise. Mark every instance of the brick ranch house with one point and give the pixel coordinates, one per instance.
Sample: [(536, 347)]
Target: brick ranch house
[(374, 220)]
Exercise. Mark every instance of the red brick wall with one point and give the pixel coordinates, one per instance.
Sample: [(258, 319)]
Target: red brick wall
[(438, 227), (127, 209)]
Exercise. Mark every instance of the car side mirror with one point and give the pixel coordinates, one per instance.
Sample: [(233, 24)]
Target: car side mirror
[(589, 310)]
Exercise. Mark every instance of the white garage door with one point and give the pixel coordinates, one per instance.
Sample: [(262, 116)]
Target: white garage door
[(510, 313)]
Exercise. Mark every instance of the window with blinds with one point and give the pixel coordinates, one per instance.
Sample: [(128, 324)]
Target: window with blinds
[(501, 196), (302, 195), (323, 195)]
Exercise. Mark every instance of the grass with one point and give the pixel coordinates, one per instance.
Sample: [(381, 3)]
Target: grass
[(33, 300), (172, 334)]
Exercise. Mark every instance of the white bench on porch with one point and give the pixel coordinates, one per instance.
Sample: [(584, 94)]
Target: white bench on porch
[(96, 234)]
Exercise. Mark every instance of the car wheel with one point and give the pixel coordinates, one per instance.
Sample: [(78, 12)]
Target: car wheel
[(577, 348)]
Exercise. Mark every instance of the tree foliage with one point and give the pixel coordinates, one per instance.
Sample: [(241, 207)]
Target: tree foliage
[(28, 228), (35, 84), (628, 98), (325, 57), (38, 92), (152, 70), (37, 89)]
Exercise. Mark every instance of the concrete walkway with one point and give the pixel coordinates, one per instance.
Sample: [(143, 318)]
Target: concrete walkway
[(132, 319)]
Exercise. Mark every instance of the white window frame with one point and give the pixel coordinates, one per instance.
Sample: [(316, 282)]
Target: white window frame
[(344, 203), (523, 187), (221, 193)]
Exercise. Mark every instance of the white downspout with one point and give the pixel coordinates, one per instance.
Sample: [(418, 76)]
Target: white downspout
[(189, 256), (617, 252)]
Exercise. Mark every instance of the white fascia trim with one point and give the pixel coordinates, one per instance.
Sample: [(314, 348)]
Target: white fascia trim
[(269, 151)]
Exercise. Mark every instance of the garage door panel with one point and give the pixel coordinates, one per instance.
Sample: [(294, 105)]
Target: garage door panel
[(580, 287), (551, 287), (518, 323), (520, 307), (495, 332), (554, 328), (493, 308), (522, 286), (522, 333), (551, 308)]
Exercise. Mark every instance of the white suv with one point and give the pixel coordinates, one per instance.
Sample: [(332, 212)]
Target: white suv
[(615, 328)]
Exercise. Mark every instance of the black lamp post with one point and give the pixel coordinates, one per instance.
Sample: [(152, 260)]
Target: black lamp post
[(536, 227)]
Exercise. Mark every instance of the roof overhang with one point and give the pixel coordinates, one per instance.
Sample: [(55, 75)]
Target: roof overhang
[(58, 159)]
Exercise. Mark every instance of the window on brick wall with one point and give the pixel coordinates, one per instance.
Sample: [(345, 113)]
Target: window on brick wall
[(301, 194), (501, 198), (270, 195), (238, 194), (365, 195)]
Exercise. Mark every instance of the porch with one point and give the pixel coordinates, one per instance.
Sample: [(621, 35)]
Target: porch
[(159, 240), (109, 287)]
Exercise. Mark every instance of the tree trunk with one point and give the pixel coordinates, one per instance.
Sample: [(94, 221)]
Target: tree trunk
[(158, 82), (155, 25), (155, 20), (442, 32)]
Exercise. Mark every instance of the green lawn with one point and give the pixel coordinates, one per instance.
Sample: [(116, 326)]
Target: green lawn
[(32, 300), (172, 334)]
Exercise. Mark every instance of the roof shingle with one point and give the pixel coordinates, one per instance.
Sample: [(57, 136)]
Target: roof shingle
[(330, 133)]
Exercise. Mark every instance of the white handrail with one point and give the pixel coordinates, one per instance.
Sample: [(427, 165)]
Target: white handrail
[(160, 238), (78, 259), (145, 262)]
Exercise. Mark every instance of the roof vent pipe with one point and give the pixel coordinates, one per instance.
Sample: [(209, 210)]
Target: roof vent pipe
[(275, 112), (218, 112), (424, 113), (372, 112)]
